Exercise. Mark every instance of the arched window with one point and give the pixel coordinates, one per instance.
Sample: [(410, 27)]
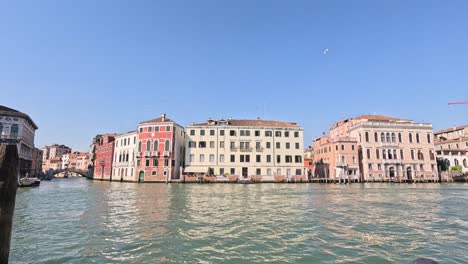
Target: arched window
[(399, 137), (368, 153), (393, 137), (126, 158), (382, 137), (417, 137), (429, 138), (388, 137), (394, 154), (14, 131), (390, 156), (148, 145), (156, 145), (465, 164), (166, 146), (412, 154), (384, 154), (377, 154), (456, 162), (139, 146), (410, 138), (367, 136), (376, 137), (420, 155)]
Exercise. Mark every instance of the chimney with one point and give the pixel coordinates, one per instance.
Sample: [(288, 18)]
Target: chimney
[(163, 117)]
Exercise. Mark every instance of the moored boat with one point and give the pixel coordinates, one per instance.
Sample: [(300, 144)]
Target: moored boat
[(29, 182)]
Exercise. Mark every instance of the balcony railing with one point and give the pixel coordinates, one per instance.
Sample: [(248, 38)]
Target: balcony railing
[(233, 148), (389, 144), (155, 153), (138, 154), (245, 149), (259, 149), (341, 164), (167, 153), (344, 139), (147, 153)]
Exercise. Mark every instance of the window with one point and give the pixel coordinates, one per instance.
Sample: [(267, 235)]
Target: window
[(232, 132), (245, 133), (417, 137), (298, 159), (141, 130), (192, 144), (166, 163), (139, 146), (166, 145), (138, 163), (394, 154), (367, 136), (296, 134), (412, 154), (202, 144), (278, 171), (268, 133), (232, 145), (155, 162), (382, 137), (212, 159), (257, 133), (268, 158), (192, 132), (277, 133), (212, 132), (155, 145), (401, 154), (233, 158), (286, 133), (377, 154), (278, 145), (202, 157), (342, 147), (150, 129), (410, 138), (399, 137), (288, 172), (465, 163), (429, 138), (297, 145), (379, 167), (221, 144), (202, 132), (390, 154), (212, 144), (258, 158), (147, 163), (288, 145), (268, 145), (259, 171), (221, 132), (420, 155), (388, 137), (368, 153), (148, 145), (221, 171), (156, 129), (168, 128), (393, 137), (268, 172), (191, 158), (370, 167), (233, 171), (242, 158), (278, 158), (376, 137), (298, 172), (221, 158), (352, 147), (14, 131)]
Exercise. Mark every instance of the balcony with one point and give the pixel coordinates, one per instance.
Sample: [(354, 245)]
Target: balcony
[(259, 149), (392, 161), (245, 149), (138, 154), (234, 149), (155, 153), (341, 164), (167, 153), (345, 139), (131, 163), (147, 153), (389, 144), (124, 164)]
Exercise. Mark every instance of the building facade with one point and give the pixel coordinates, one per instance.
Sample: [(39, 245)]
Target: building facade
[(261, 149), (36, 165), (124, 163), (104, 156), (18, 129), (452, 146), (160, 150), (390, 148), (55, 151), (78, 160)]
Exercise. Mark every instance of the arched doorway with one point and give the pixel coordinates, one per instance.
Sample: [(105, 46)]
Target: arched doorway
[(141, 176), (409, 173), (392, 172)]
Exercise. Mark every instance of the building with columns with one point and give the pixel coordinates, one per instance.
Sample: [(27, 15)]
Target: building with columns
[(263, 150), (390, 148), (125, 157), (160, 150), (103, 157), (452, 146)]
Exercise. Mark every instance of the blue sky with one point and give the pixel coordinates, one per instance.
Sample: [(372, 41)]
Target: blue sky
[(85, 67)]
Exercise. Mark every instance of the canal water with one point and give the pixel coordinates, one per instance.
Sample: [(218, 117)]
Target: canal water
[(80, 221)]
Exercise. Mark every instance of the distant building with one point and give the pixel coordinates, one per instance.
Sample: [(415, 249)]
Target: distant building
[(387, 148), (452, 146), (309, 162), (125, 157), (262, 149), (55, 151), (160, 150), (78, 161), (36, 165), (19, 129), (104, 154)]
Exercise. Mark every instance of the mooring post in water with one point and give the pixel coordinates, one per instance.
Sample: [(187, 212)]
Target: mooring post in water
[(8, 184)]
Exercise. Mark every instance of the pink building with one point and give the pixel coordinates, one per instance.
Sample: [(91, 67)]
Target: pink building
[(104, 154), (160, 150)]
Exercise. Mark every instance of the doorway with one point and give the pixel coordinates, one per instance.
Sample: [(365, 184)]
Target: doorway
[(141, 176), (245, 172)]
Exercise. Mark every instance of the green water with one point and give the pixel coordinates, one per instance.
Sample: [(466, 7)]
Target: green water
[(79, 221)]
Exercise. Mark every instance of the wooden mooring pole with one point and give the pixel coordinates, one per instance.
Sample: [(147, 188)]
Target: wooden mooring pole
[(8, 183)]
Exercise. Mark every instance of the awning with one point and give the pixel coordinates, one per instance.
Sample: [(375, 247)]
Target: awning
[(192, 169)]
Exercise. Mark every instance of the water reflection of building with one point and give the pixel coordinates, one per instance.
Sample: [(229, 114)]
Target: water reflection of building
[(18, 128)]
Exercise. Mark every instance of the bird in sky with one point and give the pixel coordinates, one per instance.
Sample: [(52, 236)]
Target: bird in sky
[(325, 51)]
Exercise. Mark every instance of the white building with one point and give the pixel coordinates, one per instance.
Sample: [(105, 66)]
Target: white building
[(452, 146), (124, 164), (65, 160), (245, 148), (18, 128)]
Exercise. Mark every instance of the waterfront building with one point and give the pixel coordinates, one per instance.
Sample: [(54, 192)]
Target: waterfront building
[(387, 147), (452, 146), (160, 150), (125, 157), (18, 128), (104, 155), (262, 150), (336, 158), (309, 161), (78, 161), (36, 165), (65, 160), (55, 151)]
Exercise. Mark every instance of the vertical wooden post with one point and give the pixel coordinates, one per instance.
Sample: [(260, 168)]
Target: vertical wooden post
[(9, 163)]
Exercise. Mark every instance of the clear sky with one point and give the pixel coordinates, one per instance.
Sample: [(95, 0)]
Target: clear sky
[(79, 68)]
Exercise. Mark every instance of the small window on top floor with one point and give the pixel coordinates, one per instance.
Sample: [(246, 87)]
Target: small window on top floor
[(141, 130), (268, 133), (296, 134), (221, 132), (277, 133), (168, 128), (232, 133), (192, 132), (212, 132), (150, 129), (156, 129), (286, 133), (202, 132), (257, 133)]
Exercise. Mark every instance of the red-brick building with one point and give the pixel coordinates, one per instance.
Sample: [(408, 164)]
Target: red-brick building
[(104, 154), (160, 150)]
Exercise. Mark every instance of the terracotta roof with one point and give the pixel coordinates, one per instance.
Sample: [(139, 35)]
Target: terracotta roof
[(440, 142), (254, 122), (6, 111), (451, 129), (379, 118), (157, 120)]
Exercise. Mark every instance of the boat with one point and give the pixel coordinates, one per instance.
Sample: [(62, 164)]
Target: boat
[(29, 182)]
